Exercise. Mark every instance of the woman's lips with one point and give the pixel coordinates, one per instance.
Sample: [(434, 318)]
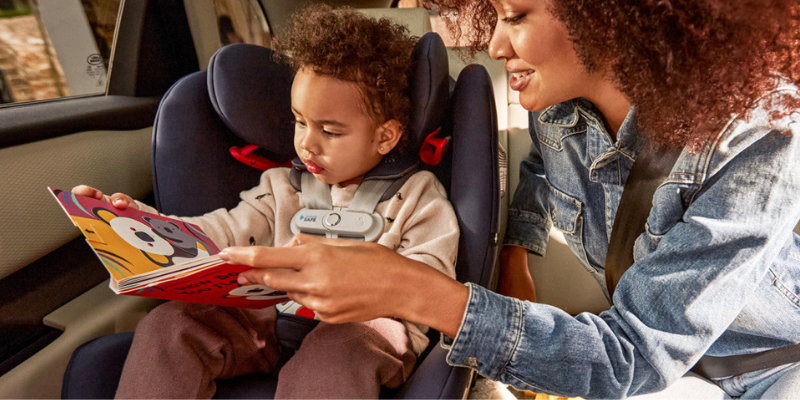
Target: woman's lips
[(313, 168), (519, 80)]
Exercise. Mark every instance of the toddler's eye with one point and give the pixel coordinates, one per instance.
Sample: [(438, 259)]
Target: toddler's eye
[(331, 134)]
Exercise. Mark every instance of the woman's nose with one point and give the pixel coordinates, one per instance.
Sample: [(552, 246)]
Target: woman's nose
[(500, 46)]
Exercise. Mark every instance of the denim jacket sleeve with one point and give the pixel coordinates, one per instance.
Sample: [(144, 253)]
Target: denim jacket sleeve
[(528, 224), (685, 289)]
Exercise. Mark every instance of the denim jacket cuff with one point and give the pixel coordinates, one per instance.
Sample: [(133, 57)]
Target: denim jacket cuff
[(527, 229), (489, 332)]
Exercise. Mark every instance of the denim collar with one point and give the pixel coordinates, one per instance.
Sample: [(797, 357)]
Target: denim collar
[(570, 113)]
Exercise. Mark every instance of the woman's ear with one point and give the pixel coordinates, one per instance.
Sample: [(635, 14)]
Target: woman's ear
[(389, 134)]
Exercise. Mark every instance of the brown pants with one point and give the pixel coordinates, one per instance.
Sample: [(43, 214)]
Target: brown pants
[(179, 349)]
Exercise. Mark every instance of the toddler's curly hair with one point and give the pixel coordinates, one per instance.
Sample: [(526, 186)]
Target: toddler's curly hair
[(688, 65), (345, 44)]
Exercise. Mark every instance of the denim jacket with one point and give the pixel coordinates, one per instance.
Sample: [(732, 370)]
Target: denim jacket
[(717, 270)]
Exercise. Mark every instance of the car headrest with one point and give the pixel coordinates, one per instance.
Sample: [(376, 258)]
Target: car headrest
[(251, 92), (429, 88)]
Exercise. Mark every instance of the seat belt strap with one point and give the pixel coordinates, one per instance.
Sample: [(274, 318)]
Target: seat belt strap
[(649, 171), (720, 367), (316, 194), (651, 168)]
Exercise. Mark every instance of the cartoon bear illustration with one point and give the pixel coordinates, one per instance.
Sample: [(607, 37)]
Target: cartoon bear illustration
[(186, 246), (156, 248)]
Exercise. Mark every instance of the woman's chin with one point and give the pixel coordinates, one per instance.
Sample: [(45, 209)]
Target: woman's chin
[(534, 103)]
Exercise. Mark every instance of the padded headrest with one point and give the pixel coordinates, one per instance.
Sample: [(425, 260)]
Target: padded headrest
[(251, 92), (429, 88)]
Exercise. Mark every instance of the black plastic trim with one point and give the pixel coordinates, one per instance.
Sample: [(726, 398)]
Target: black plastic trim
[(127, 45), (31, 293), (28, 123)]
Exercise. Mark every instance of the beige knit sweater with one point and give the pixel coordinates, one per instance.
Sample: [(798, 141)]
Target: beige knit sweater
[(419, 223)]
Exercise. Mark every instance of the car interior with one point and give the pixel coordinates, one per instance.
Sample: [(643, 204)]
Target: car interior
[(150, 60)]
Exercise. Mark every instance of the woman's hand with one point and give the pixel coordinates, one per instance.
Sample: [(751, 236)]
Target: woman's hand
[(118, 200), (345, 281), (515, 277)]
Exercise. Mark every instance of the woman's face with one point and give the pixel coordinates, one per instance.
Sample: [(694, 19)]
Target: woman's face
[(538, 53)]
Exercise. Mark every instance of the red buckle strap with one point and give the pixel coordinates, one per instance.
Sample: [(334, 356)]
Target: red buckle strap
[(432, 148), (245, 155)]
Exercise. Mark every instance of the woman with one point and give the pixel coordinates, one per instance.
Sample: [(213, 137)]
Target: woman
[(717, 271)]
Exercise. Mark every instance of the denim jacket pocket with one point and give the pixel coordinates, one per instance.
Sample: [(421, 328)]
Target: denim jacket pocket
[(646, 243), (667, 210), (785, 278), (565, 211)]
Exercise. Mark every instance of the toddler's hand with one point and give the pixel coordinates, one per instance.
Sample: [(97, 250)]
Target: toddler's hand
[(118, 200)]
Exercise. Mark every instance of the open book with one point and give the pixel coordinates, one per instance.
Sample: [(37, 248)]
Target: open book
[(150, 255)]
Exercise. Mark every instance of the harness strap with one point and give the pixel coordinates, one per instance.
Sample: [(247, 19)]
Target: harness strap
[(369, 194), (359, 221), (316, 194)]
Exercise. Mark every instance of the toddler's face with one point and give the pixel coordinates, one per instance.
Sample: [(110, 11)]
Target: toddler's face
[(333, 136)]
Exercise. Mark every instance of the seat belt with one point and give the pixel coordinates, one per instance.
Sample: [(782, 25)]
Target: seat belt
[(359, 221), (649, 170)]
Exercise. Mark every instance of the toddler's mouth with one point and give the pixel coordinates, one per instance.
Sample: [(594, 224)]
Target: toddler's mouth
[(313, 168)]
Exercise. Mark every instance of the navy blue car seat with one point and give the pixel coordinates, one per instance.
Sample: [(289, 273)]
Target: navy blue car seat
[(244, 94)]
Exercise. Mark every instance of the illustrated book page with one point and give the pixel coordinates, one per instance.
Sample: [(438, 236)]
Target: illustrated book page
[(151, 255)]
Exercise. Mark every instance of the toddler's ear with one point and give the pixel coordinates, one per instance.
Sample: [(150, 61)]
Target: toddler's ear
[(389, 134)]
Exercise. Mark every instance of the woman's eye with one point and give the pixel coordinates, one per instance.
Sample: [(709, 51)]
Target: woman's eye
[(300, 123), (514, 19)]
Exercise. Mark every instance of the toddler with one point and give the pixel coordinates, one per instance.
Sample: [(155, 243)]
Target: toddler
[(351, 106)]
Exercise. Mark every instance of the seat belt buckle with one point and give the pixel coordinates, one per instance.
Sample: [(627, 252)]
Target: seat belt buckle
[(433, 148)]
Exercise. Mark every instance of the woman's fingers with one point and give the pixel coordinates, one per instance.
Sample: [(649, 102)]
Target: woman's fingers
[(264, 257), (283, 279), (301, 239)]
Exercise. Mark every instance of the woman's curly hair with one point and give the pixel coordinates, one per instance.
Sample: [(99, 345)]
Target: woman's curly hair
[(688, 65), (345, 44)]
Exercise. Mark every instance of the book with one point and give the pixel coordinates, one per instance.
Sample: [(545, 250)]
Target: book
[(150, 255)]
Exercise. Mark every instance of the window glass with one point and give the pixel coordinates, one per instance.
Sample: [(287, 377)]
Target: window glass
[(55, 48), (216, 23), (241, 21)]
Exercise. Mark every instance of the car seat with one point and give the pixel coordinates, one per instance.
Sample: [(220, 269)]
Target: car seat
[(244, 94)]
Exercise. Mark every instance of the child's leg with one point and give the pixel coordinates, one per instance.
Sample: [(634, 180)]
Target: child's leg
[(180, 348), (350, 360)]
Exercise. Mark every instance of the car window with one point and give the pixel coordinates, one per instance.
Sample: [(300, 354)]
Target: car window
[(55, 48), (221, 22)]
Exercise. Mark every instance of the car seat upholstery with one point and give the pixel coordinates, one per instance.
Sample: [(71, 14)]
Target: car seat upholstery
[(244, 94)]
